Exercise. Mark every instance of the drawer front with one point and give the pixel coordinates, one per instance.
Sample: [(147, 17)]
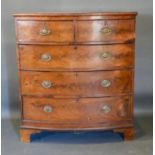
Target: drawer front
[(77, 111), (108, 31), (91, 84), (99, 57), (45, 31)]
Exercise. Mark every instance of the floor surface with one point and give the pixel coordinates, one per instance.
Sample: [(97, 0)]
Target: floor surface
[(78, 143)]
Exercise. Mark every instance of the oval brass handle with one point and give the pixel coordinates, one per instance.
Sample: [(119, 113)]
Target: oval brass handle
[(105, 83), (46, 57), (106, 109), (106, 30), (47, 109), (47, 84), (44, 32), (105, 55)]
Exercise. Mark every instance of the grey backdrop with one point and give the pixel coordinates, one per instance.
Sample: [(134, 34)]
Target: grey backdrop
[(143, 76)]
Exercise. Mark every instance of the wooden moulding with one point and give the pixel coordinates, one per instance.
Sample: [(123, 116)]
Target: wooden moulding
[(80, 16)]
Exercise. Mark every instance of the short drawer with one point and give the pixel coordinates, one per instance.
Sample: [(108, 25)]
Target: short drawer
[(91, 84), (95, 57), (44, 31), (107, 31), (77, 111)]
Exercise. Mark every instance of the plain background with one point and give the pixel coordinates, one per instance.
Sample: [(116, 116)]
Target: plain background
[(143, 76)]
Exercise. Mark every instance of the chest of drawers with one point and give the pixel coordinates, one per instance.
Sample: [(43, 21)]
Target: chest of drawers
[(76, 72)]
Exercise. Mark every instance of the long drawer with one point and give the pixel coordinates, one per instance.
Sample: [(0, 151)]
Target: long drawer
[(99, 57), (89, 84), (60, 111)]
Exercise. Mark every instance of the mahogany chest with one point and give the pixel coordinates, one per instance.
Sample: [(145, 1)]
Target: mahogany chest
[(76, 72)]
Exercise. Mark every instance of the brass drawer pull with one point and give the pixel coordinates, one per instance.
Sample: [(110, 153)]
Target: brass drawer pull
[(106, 109), (46, 57), (105, 55), (47, 109), (105, 83), (45, 32), (106, 30), (47, 84)]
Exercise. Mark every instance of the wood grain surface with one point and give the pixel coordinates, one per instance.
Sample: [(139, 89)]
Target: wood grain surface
[(28, 31), (77, 111), (122, 31), (76, 58), (77, 84)]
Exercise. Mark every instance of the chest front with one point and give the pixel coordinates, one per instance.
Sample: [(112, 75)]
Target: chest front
[(76, 72)]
